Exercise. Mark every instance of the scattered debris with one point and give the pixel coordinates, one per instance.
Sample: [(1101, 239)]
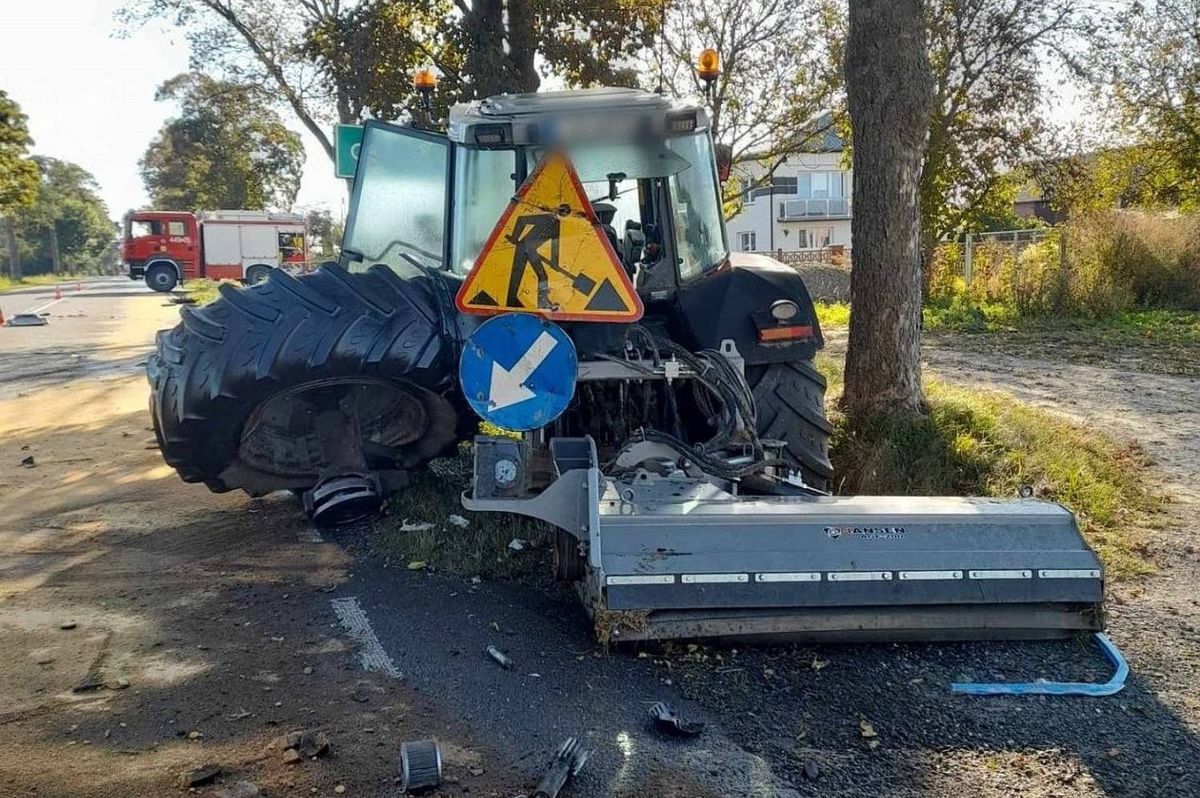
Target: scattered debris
[(243, 789), (307, 743), (67, 625), (182, 299), (195, 735), (241, 714), (44, 660), (516, 544), (416, 526), (119, 683), (29, 462), (499, 656), (341, 788), (199, 776), (27, 320), (291, 756), (567, 762), (668, 720), (866, 729), (416, 565), (817, 664), (420, 765), (458, 521)]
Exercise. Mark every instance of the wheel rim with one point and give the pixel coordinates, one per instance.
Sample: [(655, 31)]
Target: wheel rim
[(162, 279)]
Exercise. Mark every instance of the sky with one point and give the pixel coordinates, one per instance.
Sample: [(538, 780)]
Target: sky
[(89, 95)]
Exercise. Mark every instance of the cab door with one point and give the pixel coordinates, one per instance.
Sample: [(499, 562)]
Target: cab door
[(398, 206)]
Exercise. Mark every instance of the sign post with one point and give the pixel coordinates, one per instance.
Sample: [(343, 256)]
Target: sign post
[(347, 140)]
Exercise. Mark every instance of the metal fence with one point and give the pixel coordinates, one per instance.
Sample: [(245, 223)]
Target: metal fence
[(1014, 240)]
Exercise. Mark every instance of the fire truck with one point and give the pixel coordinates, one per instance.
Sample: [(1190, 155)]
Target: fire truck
[(166, 248)]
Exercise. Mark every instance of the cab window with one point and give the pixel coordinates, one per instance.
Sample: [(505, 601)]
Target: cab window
[(140, 228), (176, 229)]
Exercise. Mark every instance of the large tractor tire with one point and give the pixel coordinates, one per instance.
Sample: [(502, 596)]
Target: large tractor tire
[(301, 380), (790, 401)]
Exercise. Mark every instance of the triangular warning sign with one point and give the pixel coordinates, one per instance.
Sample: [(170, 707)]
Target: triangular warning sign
[(549, 255)]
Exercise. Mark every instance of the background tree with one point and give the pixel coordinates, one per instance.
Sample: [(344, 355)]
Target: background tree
[(779, 70), (989, 59), (890, 95), (330, 60), (67, 228), (226, 149), (324, 234), (18, 175), (1150, 69)]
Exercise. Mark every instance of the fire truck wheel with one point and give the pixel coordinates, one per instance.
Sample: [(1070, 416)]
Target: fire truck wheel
[(258, 273), (304, 378), (162, 277)]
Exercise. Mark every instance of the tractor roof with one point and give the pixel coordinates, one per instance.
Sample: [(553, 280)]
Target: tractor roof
[(604, 113)]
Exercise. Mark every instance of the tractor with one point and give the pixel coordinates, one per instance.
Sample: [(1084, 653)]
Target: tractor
[(680, 447)]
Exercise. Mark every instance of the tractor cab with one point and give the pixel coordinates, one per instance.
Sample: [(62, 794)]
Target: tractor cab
[(645, 163)]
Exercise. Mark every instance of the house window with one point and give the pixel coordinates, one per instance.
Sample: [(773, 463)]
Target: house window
[(778, 185), (814, 238), (746, 242), (821, 185)]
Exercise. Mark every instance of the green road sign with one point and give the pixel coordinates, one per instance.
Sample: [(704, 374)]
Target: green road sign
[(346, 141)]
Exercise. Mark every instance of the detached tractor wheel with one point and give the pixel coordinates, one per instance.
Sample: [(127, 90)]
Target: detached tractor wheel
[(258, 273), (333, 383), (162, 277), (790, 399)]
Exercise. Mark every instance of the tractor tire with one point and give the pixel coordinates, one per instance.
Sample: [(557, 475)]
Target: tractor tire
[(162, 278), (234, 385), (790, 401)]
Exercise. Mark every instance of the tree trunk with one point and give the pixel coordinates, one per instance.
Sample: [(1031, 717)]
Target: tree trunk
[(55, 261), (889, 91), (14, 251)]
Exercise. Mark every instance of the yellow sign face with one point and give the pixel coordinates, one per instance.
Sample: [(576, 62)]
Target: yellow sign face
[(549, 255)]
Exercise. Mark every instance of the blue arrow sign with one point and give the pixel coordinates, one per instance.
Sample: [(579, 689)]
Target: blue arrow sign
[(518, 371)]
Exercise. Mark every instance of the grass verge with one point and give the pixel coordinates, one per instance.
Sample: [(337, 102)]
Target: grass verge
[(984, 443), (419, 529), (1155, 341), (204, 291), (9, 284)]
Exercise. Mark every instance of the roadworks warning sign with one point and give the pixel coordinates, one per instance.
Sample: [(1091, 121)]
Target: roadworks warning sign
[(549, 255)]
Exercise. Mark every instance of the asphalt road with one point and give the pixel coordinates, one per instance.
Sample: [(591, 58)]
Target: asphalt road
[(96, 326)]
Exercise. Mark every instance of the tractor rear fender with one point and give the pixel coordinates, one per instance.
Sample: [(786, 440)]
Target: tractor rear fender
[(735, 301)]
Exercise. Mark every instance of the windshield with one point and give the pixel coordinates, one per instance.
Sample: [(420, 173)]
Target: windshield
[(617, 178)]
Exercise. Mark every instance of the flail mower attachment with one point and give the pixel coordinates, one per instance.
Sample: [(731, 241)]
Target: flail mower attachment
[(669, 554)]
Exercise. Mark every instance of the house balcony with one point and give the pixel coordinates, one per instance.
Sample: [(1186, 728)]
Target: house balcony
[(808, 210)]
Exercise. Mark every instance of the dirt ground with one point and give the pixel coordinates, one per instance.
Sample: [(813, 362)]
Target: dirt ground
[(150, 627)]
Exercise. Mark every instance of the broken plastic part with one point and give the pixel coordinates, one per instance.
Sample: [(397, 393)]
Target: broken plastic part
[(568, 760), (1112, 686), (667, 719)]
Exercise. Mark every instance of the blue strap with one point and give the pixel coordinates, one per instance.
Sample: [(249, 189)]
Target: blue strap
[(1112, 686)]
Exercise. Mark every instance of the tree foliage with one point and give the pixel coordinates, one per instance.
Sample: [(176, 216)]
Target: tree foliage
[(779, 68), (1150, 67), (66, 212), (18, 174), (332, 60), (989, 59), (226, 149)]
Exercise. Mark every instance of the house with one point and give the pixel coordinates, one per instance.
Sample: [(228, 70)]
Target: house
[(805, 206)]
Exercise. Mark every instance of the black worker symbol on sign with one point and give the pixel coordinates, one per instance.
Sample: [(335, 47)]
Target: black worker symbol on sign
[(528, 234)]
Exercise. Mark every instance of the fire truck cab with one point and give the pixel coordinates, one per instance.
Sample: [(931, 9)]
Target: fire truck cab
[(166, 248)]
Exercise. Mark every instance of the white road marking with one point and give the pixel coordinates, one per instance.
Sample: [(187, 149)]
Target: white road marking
[(355, 621), (40, 308)]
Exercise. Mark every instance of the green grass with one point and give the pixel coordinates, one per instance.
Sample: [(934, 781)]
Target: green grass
[(9, 284), (833, 314), (479, 549), (204, 291), (989, 444)]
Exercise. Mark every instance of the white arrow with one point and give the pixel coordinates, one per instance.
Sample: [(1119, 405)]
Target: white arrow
[(508, 385)]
